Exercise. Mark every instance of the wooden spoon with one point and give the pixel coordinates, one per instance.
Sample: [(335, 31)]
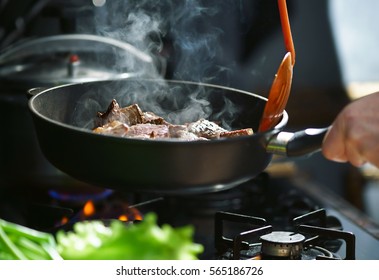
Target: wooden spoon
[(278, 96), (286, 28), (281, 86)]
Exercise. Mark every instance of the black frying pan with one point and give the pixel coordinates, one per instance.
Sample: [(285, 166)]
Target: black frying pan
[(64, 116)]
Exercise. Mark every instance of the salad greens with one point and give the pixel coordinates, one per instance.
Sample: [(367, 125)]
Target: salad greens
[(22, 243), (143, 240), (92, 239)]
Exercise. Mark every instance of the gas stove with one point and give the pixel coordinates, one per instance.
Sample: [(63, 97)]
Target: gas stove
[(276, 218), (304, 242), (268, 217)]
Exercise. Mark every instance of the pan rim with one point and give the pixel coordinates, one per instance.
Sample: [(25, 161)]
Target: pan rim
[(86, 131)]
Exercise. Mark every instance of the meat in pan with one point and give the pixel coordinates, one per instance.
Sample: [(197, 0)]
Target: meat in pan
[(132, 122)]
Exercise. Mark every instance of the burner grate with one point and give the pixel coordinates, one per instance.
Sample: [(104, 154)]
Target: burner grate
[(310, 239)]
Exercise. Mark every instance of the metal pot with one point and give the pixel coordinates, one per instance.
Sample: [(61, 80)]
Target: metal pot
[(51, 61)]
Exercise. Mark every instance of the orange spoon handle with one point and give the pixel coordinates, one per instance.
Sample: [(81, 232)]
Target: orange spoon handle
[(286, 28)]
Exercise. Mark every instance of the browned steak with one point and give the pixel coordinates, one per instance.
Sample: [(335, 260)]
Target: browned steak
[(206, 129), (240, 132), (130, 115), (132, 122), (149, 117), (113, 128), (148, 130), (181, 132)]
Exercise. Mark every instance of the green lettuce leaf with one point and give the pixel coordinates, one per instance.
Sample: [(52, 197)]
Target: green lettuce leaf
[(145, 240)]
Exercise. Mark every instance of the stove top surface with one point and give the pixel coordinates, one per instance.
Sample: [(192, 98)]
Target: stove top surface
[(276, 204)]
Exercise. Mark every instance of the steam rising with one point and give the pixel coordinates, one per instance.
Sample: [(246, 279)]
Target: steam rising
[(191, 41)]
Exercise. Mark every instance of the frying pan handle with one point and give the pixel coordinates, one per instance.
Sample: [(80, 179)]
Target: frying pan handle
[(299, 143)]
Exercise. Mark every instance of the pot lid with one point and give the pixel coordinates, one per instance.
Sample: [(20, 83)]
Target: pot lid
[(72, 58), (69, 68)]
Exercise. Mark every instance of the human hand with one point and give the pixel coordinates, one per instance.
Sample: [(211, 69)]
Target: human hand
[(354, 134)]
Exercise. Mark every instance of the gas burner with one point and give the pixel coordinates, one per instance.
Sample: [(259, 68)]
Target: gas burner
[(282, 244), (289, 251), (78, 198), (259, 241)]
